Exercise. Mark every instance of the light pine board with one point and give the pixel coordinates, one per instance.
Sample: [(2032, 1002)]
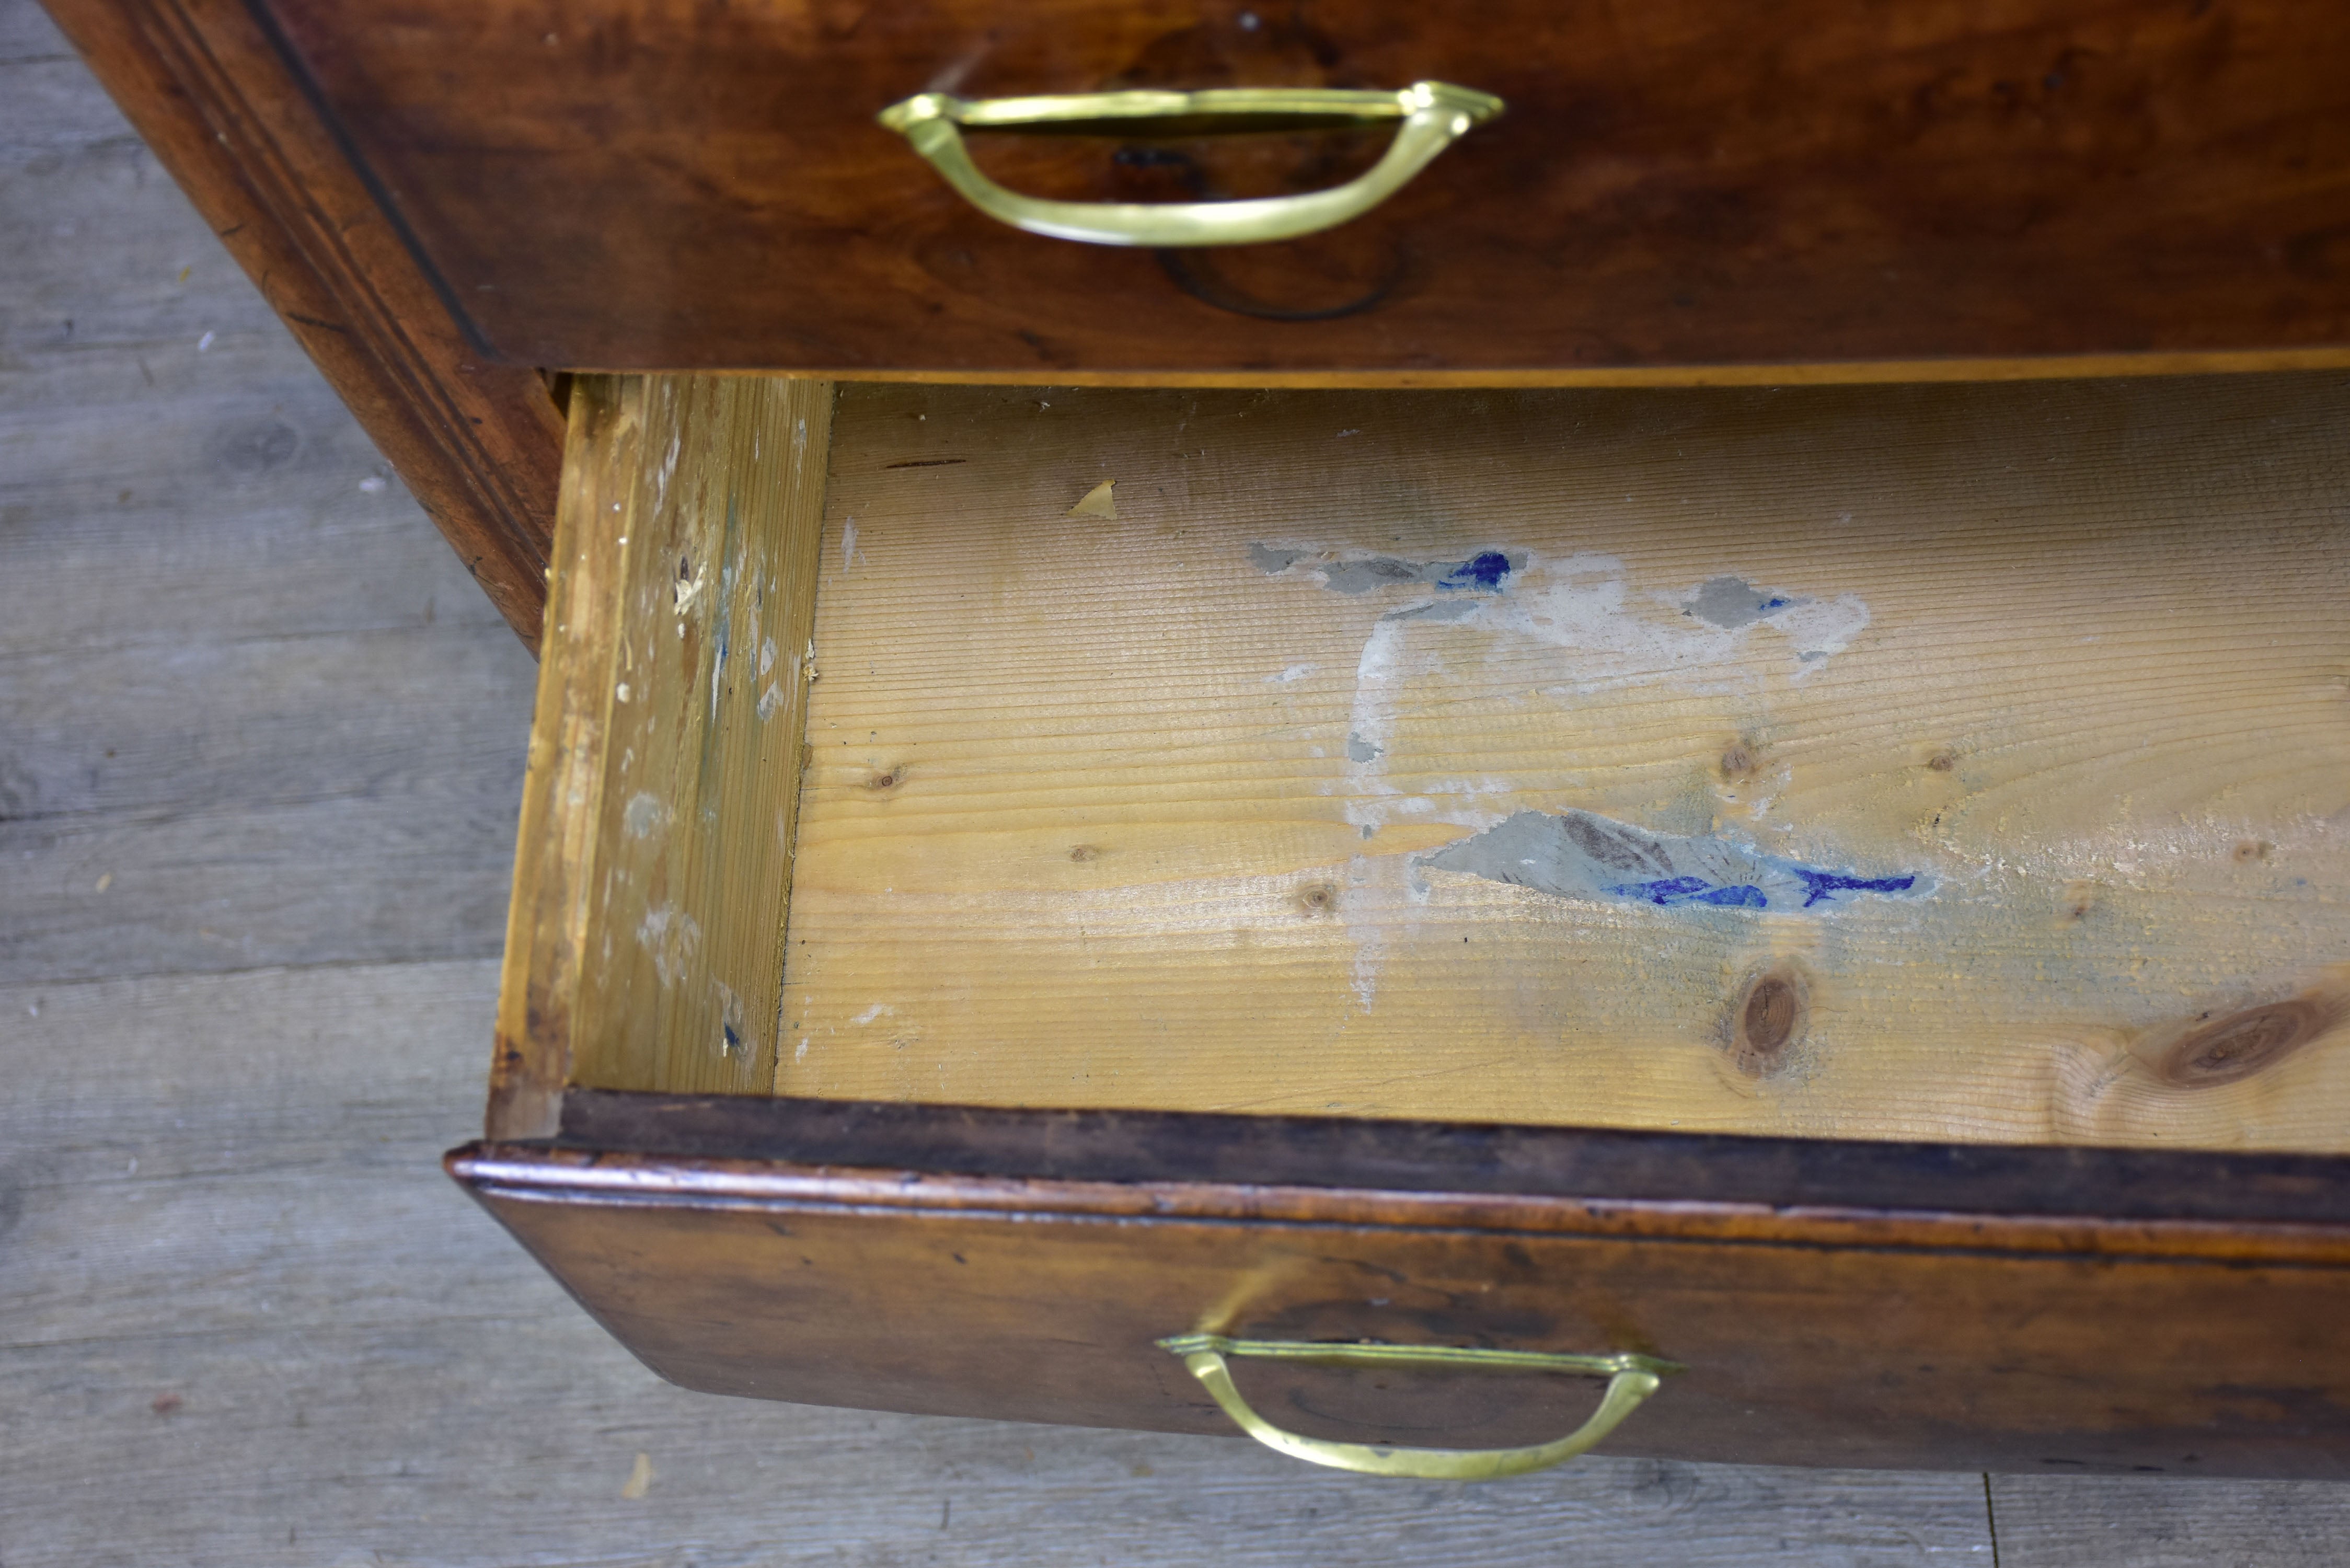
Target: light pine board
[(1145, 809), (283, 1338)]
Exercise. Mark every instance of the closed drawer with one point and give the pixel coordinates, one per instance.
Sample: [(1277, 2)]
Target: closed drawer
[(626, 184), (1830, 893)]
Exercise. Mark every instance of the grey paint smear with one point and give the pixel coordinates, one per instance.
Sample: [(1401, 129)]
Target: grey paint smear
[(1359, 750), (1582, 854), (1437, 609), (1732, 602)]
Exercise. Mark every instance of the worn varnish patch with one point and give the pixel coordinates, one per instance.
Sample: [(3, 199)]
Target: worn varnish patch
[(1720, 760)]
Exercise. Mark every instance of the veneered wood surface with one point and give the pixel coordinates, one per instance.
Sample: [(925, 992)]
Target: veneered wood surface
[(1930, 1341), (645, 184), (644, 946), (1171, 810), (364, 1369), (478, 443)]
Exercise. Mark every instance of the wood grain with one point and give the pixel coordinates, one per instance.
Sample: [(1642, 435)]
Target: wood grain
[(478, 444), (644, 947), (2142, 1521), (1140, 813), (1695, 183), (231, 649)]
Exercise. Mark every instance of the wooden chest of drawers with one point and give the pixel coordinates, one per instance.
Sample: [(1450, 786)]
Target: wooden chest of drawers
[(1830, 890), (1819, 900)]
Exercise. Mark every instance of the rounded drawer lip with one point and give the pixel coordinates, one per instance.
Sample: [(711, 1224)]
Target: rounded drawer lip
[(851, 1157)]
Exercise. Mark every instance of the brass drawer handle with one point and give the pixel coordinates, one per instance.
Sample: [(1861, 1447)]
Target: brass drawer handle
[(1630, 1379), (1433, 115)]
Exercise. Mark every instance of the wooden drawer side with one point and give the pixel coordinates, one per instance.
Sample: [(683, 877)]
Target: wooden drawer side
[(644, 944)]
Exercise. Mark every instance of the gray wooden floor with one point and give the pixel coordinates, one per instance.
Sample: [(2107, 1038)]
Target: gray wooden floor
[(260, 749)]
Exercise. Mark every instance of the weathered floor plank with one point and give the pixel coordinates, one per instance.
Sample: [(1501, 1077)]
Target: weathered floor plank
[(244, 1320), (2147, 1521)]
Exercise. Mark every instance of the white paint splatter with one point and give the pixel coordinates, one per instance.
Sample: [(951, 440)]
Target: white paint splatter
[(879, 1010), (766, 656), (770, 700), (672, 941), (644, 815), (1820, 629), (847, 544), (1295, 672)]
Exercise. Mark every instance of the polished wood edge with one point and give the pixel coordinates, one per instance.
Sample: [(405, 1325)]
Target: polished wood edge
[(1858, 372), (542, 1172), (1397, 1156), (216, 96), (1514, 1162)]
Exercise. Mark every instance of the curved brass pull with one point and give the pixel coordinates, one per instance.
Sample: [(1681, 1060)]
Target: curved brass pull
[(1433, 114), (1630, 1379)]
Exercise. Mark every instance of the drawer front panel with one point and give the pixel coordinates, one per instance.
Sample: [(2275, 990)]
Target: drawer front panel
[(1963, 1354), (633, 183)]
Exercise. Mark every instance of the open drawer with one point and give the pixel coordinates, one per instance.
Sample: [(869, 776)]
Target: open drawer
[(1828, 905)]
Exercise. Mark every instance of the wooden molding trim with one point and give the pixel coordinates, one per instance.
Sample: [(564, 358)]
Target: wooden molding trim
[(479, 444), (532, 1173), (1457, 1161), (1796, 373)]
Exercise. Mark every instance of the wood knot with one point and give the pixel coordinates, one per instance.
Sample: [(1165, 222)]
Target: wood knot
[(1318, 898), (1767, 1021), (1085, 852), (2251, 849), (2075, 899), (2231, 1049), (1741, 760), (1942, 762), (886, 780)]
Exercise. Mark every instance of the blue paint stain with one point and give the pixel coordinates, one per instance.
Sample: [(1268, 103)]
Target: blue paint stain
[(1582, 854), (1482, 572), (1819, 887), (1672, 890), (1777, 602), (1825, 884)]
